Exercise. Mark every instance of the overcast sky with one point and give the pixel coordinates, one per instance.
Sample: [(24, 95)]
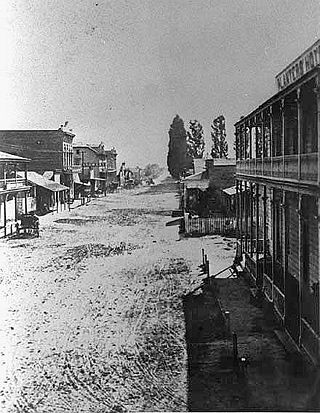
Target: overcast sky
[(120, 70)]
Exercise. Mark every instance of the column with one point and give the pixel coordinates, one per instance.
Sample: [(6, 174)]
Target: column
[(263, 144), (5, 213), (298, 99), (273, 233), (258, 272), (26, 174), (251, 219), (271, 140), (284, 247), (282, 110), (240, 213), (237, 208), (246, 209), (318, 221), (265, 235), (317, 91), (300, 274), (15, 207), (25, 203)]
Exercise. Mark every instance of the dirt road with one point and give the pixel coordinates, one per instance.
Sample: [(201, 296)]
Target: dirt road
[(91, 312)]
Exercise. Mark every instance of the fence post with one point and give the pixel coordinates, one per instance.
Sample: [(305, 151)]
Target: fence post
[(235, 351)]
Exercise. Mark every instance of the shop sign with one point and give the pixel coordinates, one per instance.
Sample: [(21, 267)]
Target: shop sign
[(302, 65)]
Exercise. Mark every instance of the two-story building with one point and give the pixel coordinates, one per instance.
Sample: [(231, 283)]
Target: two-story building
[(278, 198), (13, 191), (95, 165), (49, 151)]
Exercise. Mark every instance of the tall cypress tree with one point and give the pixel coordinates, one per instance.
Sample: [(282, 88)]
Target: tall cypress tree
[(177, 159), (195, 140), (218, 135)]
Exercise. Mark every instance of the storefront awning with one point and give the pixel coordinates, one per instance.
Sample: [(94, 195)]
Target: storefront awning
[(45, 183)]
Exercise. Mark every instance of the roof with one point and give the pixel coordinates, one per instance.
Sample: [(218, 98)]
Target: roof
[(196, 177), (224, 162), (200, 184), (230, 191), (40, 180), (278, 95), (38, 131), (5, 157)]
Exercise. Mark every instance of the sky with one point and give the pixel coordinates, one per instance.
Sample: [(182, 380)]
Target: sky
[(120, 70)]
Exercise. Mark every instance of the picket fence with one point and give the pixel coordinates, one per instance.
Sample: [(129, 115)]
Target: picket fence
[(211, 225)]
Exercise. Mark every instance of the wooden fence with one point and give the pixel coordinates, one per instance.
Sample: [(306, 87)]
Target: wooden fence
[(213, 225)]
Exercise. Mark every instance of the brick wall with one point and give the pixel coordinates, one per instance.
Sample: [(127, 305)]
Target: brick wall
[(86, 155), (43, 147)]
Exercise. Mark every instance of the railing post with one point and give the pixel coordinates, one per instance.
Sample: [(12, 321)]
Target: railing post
[(282, 110), (271, 141), (299, 130)]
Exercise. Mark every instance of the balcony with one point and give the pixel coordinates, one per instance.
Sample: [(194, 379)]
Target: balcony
[(12, 184), (303, 167)]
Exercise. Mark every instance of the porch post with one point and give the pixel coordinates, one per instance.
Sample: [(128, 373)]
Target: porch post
[(240, 214), (299, 130), (271, 140), (5, 213), (237, 208), (282, 110), (251, 218), (317, 91), (262, 142), (246, 210), (273, 233), (300, 263), (25, 203), (284, 249), (15, 207), (26, 174), (258, 279), (264, 199), (319, 253)]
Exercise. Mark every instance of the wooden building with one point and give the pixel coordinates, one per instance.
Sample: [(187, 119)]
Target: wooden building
[(45, 195), (13, 191), (278, 205), (48, 150), (95, 165)]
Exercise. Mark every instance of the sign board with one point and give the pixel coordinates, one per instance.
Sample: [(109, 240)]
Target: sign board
[(299, 67)]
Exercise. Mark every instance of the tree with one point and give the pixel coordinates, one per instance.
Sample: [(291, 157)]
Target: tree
[(152, 171), (218, 135), (177, 159), (195, 140)]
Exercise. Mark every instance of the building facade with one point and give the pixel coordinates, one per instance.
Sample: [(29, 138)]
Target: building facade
[(95, 165), (13, 191), (278, 204), (48, 150)]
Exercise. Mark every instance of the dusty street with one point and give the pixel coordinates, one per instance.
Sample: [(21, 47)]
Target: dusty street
[(91, 312)]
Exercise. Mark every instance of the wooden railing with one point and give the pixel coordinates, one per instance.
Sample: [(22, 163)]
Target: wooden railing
[(302, 167), (12, 183), (210, 225)]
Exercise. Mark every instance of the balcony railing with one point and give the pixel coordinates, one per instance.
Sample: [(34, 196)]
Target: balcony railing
[(12, 183), (302, 167)]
